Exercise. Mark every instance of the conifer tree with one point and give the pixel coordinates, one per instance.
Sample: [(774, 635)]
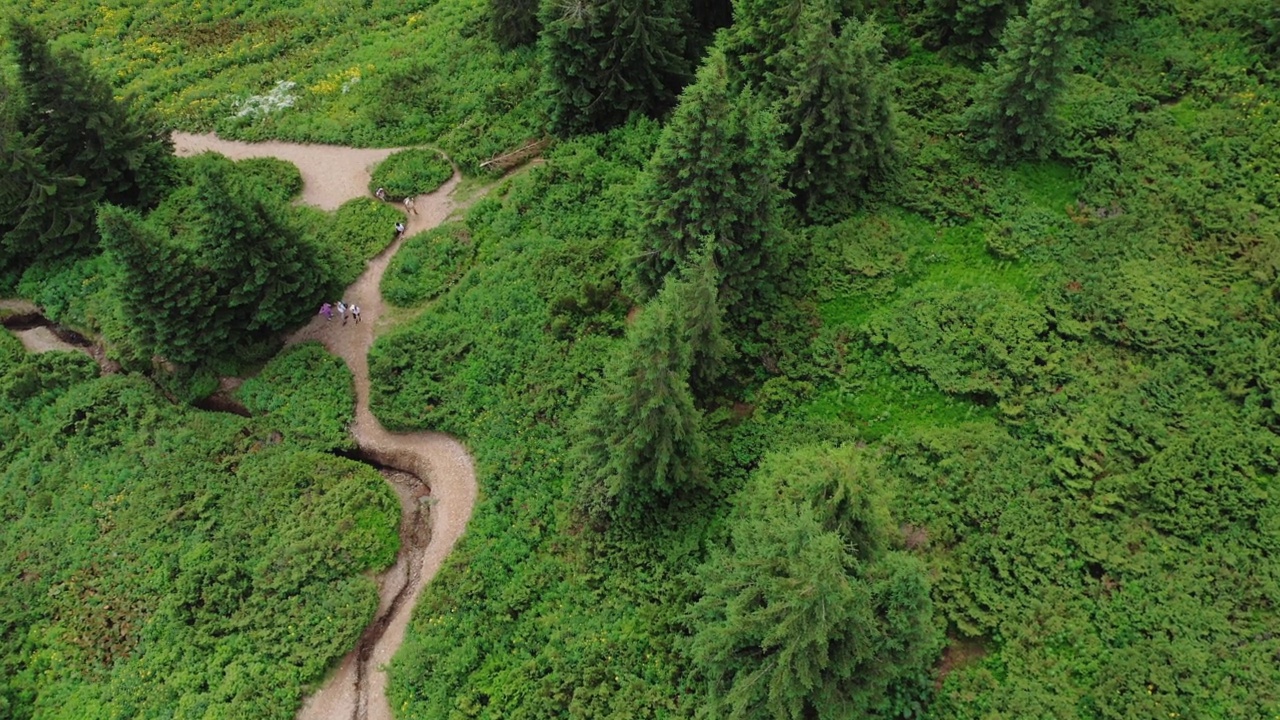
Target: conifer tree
[(969, 27), (231, 273), (695, 296), (607, 59), (640, 435), (39, 211), (834, 107), (514, 22), (122, 157), (715, 175), (1014, 103), (811, 613)]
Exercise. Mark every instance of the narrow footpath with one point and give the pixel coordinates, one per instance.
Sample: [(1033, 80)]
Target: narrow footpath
[(332, 175)]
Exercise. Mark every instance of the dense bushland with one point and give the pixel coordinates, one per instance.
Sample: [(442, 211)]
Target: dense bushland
[(410, 172), (166, 562), (1051, 384), (1002, 395)]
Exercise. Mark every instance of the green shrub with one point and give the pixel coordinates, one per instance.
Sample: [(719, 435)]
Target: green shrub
[(279, 178), (410, 172), (307, 395), (355, 233), (428, 264)]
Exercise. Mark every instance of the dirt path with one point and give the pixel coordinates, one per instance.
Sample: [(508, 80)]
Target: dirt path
[(332, 175), (38, 338)]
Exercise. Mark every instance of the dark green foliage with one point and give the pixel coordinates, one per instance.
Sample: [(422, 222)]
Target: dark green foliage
[(641, 437), (714, 176), (306, 395), (428, 264), (811, 614), (695, 299), (80, 131), (409, 173), (166, 561), (605, 60), (834, 108), (224, 274), (514, 22), (1014, 103), (970, 27)]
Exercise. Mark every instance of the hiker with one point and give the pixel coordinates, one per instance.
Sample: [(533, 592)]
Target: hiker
[(327, 311), (381, 194), (399, 229), (342, 312), (355, 313), (408, 205)]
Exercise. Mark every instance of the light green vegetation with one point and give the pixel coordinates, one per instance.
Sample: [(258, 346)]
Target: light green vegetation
[(428, 264), (383, 74)]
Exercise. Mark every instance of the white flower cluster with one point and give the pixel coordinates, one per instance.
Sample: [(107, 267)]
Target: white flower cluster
[(278, 99)]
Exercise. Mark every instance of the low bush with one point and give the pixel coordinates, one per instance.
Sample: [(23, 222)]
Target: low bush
[(428, 264), (410, 172), (355, 233), (279, 178), (307, 395)]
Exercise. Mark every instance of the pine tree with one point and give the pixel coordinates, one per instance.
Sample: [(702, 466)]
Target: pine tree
[(1014, 103), (811, 613), (640, 436), (714, 175), (834, 108), (514, 22), (607, 59)]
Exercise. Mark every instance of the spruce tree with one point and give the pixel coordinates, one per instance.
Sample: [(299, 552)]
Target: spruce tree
[(695, 297), (834, 107), (604, 60), (82, 131), (514, 22), (811, 613), (969, 27), (40, 212), (1013, 104), (640, 437), (715, 175)]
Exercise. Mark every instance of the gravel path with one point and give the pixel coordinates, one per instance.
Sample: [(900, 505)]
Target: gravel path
[(332, 175)]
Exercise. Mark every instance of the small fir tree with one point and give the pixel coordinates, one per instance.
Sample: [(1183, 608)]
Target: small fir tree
[(1013, 104), (695, 295), (969, 27), (811, 613), (640, 435), (715, 175), (607, 59)]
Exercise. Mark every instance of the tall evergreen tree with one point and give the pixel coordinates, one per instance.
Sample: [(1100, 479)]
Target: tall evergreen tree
[(833, 104), (514, 22), (123, 156), (640, 435), (1014, 103), (715, 175), (607, 59), (811, 614)]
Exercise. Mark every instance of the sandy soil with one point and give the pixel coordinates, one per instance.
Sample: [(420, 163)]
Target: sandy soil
[(331, 176), (40, 338)]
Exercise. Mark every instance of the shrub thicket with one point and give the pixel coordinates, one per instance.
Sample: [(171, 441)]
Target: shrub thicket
[(410, 173)]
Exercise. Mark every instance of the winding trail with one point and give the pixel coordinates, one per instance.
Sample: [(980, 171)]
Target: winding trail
[(332, 175)]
